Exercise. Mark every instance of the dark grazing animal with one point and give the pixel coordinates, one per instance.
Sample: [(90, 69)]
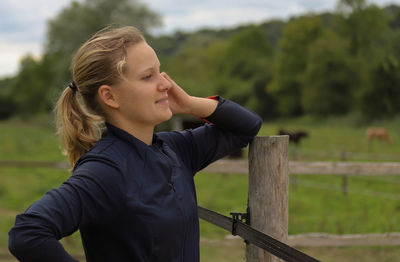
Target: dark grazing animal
[(294, 137)]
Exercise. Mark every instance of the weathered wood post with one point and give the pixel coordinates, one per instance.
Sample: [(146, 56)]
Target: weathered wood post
[(268, 192)]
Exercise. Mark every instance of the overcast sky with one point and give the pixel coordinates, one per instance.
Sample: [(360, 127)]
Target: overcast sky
[(23, 23)]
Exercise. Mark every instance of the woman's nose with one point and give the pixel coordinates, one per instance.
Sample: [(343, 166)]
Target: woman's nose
[(164, 84)]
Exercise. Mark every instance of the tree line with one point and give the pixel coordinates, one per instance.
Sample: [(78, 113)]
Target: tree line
[(333, 63)]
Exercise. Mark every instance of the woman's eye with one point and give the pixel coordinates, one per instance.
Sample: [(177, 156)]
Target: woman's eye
[(147, 77)]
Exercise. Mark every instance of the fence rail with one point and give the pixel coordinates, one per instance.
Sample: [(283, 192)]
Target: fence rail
[(242, 167), (314, 168), (331, 240), (44, 164)]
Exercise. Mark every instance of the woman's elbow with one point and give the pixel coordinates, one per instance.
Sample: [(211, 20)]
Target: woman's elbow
[(24, 236), (16, 244)]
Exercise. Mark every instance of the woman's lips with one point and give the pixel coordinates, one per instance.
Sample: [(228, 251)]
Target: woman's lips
[(162, 101)]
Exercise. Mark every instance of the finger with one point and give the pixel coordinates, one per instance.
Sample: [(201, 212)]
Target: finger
[(166, 76), (174, 86)]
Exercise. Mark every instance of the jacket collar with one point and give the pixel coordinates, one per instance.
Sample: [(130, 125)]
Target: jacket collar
[(139, 145)]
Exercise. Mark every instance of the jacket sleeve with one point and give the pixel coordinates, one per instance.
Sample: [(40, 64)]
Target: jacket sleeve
[(91, 194), (229, 128)]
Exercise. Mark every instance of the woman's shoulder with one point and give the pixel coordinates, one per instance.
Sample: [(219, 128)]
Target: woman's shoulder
[(106, 152), (109, 155), (110, 163)]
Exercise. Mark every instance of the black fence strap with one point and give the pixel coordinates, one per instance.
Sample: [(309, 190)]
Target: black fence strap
[(255, 237)]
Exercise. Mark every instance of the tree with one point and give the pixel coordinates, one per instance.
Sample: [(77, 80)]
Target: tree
[(245, 70), (298, 36), (393, 12), (7, 103), (382, 98), (29, 88), (364, 25), (329, 81)]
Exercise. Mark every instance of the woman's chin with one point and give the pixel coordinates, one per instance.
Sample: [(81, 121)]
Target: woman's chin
[(167, 115)]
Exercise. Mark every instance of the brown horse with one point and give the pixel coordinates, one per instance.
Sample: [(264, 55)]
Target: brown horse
[(378, 133)]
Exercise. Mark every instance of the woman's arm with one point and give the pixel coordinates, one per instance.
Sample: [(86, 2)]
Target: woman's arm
[(93, 192)]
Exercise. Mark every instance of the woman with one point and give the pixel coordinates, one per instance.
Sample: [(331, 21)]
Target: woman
[(131, 193)]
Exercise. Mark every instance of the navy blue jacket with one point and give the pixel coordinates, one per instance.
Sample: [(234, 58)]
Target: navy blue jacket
[(131, 201)]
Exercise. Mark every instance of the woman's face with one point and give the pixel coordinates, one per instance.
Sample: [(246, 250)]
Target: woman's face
[(143, 96)]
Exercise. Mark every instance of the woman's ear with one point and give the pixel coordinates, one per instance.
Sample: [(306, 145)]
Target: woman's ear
[(107, 96)]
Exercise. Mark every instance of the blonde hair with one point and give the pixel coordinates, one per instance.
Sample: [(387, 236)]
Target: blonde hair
[(99, 61)]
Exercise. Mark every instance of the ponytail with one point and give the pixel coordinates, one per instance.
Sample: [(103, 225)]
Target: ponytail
[(79, 130)]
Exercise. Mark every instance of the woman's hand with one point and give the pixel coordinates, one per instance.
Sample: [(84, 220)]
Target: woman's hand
[(179, 100), (182, 103)]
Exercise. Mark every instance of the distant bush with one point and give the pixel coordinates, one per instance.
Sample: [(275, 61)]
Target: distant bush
[(7, 107)]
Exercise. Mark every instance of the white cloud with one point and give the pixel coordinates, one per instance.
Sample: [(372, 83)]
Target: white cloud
[(227, 15), (213, 18), (191, 15), (11, 53), (28, 18), (22, 29)]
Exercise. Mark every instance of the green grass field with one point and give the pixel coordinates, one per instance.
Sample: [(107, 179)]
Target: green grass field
[(316, 203)]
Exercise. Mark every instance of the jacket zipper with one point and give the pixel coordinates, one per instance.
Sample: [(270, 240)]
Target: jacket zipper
[(171, 183)]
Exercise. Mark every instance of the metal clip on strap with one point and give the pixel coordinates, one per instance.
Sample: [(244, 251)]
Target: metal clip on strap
[(242, 217)]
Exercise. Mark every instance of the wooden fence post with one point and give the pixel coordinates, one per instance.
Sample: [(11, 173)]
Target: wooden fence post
[(268, 192)]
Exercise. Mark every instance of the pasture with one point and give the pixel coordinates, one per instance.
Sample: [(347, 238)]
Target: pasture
[(316, 203)]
